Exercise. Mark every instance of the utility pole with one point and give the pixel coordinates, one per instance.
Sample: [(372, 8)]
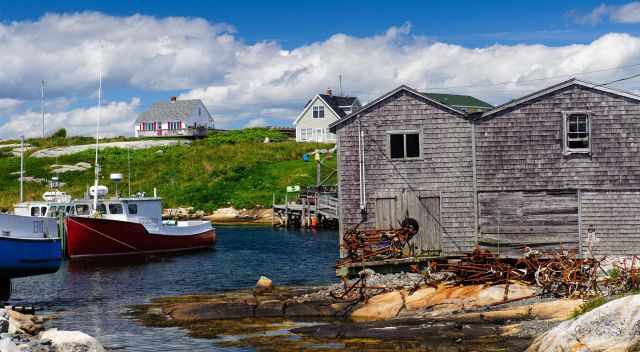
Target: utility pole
[(340, 84), (42, 105), (21, 169), (318, 169)]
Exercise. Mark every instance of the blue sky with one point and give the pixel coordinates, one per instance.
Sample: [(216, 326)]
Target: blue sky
[(256, 63)]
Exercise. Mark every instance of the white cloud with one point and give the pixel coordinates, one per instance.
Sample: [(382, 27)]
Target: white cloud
[(245, 83), (116, 118), (628, 13), (259, 122)]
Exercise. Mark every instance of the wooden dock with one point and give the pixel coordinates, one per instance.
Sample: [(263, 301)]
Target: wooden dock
[(317, 210)]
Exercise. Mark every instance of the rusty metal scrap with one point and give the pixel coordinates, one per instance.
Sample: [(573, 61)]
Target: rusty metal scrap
[(357, 291), (558, 274), (361, 245)]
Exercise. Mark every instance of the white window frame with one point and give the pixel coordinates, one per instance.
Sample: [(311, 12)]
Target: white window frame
[(565, 132), (404, 132), (318, 111)]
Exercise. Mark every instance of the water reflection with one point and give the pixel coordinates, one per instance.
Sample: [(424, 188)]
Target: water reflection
[(92, 296)]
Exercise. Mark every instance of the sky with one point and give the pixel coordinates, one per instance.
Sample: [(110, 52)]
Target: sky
[(257, 63)]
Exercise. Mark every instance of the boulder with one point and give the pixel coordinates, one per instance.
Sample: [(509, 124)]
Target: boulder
[(555, 310), (270, 309), (264, 285), (380, 307), (309, 309), (6, 345), (23, 323), (614, 326), (4, 321), (71, 341), (419, 299), (211, 311)]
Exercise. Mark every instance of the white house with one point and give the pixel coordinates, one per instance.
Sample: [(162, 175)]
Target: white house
[(175, 118), (312, 125)]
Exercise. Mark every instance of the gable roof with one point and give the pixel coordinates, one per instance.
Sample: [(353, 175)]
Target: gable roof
[(463, 102), (410, 90), (164, 111), (557, 87), (334, 102)]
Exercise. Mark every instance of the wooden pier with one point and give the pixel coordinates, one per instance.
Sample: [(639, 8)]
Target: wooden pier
[(310, 210)]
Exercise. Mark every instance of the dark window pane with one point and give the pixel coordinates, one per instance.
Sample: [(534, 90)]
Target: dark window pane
[(133, 209), (413, 145), (397, 146)]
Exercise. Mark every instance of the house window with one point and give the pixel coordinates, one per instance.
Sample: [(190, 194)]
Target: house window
[(404, 145), (318, 112), (577, 136), (306, 134), (174, 125)]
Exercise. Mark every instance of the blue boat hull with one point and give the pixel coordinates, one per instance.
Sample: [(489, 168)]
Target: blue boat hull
[(21, 257)]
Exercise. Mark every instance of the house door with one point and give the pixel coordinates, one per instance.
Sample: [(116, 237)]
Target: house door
[(319, 137)]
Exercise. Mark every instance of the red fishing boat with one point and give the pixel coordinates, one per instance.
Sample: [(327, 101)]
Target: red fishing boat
[(129, 226)]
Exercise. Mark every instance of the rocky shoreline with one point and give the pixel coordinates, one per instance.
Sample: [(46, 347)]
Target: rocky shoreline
[(26, 333), (460, 318)]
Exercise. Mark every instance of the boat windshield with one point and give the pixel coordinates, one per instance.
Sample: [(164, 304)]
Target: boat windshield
[(82, 209), (115, 208)]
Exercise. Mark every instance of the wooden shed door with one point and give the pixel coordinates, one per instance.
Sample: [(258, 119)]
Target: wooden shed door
[(392, 208), (426, 210), (387, 212)]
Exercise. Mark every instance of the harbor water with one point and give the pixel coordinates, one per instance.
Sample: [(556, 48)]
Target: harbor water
[(93, 296)]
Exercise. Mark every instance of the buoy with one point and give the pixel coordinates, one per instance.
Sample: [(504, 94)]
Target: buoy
[(314, 222)]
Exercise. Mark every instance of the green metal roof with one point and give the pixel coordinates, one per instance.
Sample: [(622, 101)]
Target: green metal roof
[(463, 102)]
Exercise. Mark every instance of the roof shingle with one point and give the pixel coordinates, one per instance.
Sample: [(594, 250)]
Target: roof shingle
[(168, 111)]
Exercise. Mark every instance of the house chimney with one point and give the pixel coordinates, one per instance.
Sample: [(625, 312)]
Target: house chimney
[(174, 99), (329, 91)]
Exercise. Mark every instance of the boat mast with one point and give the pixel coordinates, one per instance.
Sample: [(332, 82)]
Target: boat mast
[(21, 169), (42, 105), (97, 168)]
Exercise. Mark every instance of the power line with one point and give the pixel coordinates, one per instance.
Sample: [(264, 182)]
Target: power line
[(615, 68), (618, 80)]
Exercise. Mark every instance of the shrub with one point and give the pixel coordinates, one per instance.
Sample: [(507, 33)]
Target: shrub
[(61, 134)]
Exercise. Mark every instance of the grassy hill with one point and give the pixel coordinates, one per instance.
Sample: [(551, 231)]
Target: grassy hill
[(232, 168)]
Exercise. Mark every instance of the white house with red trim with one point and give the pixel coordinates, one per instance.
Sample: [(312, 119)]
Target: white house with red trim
[(175, 118)]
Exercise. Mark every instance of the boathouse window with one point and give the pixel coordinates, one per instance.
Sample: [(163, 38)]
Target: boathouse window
[(82, 209), (133, 209), (318, 112), (577, 136), (404, 145), (115, 208)]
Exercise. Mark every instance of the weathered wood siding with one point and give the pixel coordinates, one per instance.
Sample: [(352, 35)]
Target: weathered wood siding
[(521, 149), (443, 175), (543, 220), (614, 218)]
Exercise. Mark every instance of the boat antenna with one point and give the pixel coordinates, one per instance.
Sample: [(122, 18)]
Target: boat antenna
[(42, 83), (21, 169), (97, 168)]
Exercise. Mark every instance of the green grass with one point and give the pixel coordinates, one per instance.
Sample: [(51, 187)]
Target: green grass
[(588, 306), (232, 168)]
